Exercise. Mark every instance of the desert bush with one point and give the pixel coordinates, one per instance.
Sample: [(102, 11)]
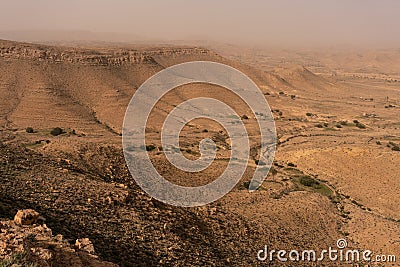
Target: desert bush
[(150, 147), (326, 124), (309, 114), (391, 144), (29, 130), (259, 162), (356, 121), (244, 117), (390, 106), (56, 131), (378, 143), (319, 126), (339, 126), (343, 123), (396, 148)]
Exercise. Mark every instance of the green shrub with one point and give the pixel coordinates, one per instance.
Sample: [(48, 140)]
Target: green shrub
[(259, 162), (150, 147), (396, 148), (56, 131), (29, 130)]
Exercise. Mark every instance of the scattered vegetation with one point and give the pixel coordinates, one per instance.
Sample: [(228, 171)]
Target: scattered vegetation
[(390, 106), (29, 130)]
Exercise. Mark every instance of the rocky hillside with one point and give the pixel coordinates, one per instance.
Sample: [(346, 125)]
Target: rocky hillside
[(27, 241)]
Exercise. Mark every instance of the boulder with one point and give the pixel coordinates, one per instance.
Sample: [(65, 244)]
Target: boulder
[(26, 217)]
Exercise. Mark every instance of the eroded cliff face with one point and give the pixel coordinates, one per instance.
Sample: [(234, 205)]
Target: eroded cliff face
[(117, 57)]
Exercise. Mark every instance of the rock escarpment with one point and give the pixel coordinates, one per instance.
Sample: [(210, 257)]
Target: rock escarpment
[(11, 50)]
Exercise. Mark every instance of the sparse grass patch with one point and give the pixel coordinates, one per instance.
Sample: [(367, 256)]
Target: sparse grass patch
[(329, 129), (192, 152), (360, 125), (308, 182), (18, 259)]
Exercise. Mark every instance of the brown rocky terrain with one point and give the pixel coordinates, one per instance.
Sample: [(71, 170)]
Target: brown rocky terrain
[(26, 242), (335, 174)]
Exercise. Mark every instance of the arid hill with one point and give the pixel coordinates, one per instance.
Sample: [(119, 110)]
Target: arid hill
[(334, 175)]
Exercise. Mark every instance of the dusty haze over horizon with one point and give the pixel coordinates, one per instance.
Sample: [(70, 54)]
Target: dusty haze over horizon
[(364, 23)]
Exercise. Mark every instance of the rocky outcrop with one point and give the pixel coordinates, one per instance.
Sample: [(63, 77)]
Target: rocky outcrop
[(23, 242), (11, 50), (26, 217)]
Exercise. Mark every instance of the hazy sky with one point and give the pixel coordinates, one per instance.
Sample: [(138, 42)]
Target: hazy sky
[(290, 22)]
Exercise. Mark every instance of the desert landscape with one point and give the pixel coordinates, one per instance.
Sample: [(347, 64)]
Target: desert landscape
[(335, 173)]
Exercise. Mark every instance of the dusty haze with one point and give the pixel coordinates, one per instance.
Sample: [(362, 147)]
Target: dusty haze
[(289, 23)]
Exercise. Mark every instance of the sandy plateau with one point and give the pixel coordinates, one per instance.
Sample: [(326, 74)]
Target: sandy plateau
[(335, 173)]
